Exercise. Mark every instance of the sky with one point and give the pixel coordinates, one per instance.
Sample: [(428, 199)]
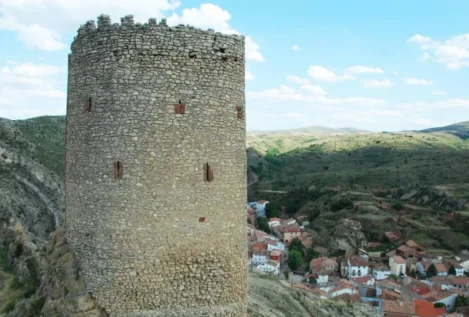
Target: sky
[(374, 65)]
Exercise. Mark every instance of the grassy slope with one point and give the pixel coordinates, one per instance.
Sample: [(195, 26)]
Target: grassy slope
[(375, 159), (370, 160)]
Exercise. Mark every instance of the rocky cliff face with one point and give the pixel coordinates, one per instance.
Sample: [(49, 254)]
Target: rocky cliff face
[(347, 236), (40, 276), (429, 196)]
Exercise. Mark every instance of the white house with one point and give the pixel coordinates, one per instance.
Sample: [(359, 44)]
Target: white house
[(364, 280), (321, 276), (269, 267), (451, 282), (343, 287), (274, 222), (459, 270), (381, 273), (258, 258), (357, 267), (463, 262), (259, 207), (446, 298), (274, 245), (397, 265)]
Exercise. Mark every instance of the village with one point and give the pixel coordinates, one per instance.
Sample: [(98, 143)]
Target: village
[(404, 281)]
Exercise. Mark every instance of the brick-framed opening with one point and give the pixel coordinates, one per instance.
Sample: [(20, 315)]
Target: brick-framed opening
[(239, 112), (208, 173), (202, 219), (118, 170), (180, 108)]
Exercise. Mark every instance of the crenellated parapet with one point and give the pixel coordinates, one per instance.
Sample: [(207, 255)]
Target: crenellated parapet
[(200, 43)]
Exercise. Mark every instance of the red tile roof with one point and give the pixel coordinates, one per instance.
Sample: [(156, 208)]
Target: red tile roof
[(391, 306), (275, 219), (358, 261), (426, 309), (261, 246), (398, 259), (391, 235), (292, 228), (412, 244), (440, 267), (363, 280)]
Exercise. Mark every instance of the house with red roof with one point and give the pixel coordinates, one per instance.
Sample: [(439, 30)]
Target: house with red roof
[(427, 309), (357, 267), (363, 281), (397, 265)]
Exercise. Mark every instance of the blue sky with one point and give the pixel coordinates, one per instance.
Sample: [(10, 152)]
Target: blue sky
[(376, 65)]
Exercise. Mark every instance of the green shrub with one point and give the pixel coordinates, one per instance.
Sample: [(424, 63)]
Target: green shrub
[(343, 203), (8, 308)]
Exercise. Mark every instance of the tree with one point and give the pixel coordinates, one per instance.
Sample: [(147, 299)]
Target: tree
[(432, 271), (439, 305), (314, 214), (262, 224), (312, 280), (461, 301), (343, 203), (312, 254), (272, 210), (452, 270), (296, 245), (286, 274), (294, 259), (397, 206)]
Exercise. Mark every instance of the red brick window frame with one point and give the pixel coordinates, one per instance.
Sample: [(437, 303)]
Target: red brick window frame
[(239, 112), (180, 108)]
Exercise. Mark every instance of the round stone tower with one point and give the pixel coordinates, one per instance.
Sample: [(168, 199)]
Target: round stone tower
[(156, 168)]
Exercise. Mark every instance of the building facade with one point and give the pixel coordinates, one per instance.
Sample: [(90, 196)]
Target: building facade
[(155, 144)]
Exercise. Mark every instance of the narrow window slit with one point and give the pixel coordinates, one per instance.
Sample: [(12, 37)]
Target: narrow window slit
[(118, 170), (239, 111), (208, 173), (88, 105)]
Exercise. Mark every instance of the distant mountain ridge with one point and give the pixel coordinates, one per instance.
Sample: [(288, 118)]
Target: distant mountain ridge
[(313, 130), (460, 129)]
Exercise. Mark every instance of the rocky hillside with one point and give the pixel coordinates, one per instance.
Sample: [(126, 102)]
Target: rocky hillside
[(39, 275)]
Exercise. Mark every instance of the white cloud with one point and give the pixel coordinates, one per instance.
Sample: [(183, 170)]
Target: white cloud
[(418, 38), (248, 75), (297, 80), (212, 16), (359, 69), (253, 50), (424, 57), (457, 104), (373, 83), (311, 95), (417, 82), (25, 87), (438, 93), (296, 48), (313, 89), (42, 24), (207, 16), (453, 52), (322, 74)]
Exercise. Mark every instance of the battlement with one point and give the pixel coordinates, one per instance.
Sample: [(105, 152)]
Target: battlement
[(92, 31)]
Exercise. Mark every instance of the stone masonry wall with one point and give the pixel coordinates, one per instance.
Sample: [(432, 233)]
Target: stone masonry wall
[(159, 240)]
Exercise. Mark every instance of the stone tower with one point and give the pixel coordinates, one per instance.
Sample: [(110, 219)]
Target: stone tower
[(156, 168)]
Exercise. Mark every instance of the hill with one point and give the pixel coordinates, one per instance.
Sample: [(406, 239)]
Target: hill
[(312, 130), (376, 160), (38, 273), (460, 129)]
